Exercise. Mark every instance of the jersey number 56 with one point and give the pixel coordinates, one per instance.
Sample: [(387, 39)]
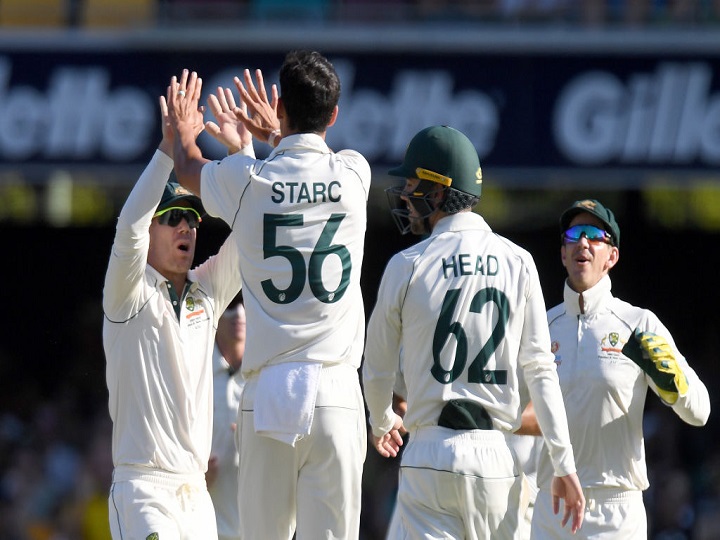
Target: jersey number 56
[(323, 249)]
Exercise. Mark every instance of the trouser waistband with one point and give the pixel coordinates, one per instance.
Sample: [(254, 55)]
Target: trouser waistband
[(125, 473)]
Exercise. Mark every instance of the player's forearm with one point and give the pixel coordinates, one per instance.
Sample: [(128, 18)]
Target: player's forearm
[(188, 161), (694, 406), (550, 412)]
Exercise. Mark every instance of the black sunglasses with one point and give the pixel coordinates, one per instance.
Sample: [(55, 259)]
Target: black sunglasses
[(175, 214)]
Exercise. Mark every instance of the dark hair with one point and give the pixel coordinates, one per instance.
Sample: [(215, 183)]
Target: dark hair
[(310, 90)]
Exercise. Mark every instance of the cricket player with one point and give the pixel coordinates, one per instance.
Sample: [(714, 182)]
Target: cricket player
[(228, 383), (466, 309), (608, 353), (301, 428), (158, 336)]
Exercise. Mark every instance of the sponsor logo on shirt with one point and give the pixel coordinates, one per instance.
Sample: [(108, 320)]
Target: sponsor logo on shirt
[(194, 306)]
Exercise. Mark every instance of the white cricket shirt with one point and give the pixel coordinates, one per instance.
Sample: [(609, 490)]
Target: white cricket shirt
[(159, 370), (605, 391), (466, 308), (302, 213)]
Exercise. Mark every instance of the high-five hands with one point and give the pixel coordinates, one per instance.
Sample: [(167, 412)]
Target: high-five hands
[(228, 130), (183, 104), (260, 115)]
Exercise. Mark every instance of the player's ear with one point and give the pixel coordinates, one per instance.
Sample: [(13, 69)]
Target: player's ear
[(280, 109), (613, 258), (333, 117)]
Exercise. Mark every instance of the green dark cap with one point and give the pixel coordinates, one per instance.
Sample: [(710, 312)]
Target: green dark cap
[(595, 208), (444, 155), (174, 192)]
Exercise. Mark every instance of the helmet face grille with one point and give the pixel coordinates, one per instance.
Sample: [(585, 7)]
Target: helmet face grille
[(399, 208)]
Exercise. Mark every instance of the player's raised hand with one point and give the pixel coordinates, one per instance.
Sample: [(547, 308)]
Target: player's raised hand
[(569, 490), (228, 130), (183, 101), (260, 117), (656, 358), (168, 134)]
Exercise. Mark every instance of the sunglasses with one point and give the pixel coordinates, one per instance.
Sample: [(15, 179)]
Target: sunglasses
[(591, 233), (175, 214)]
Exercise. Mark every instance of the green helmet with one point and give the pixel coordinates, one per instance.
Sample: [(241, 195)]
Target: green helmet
[(443, 155)]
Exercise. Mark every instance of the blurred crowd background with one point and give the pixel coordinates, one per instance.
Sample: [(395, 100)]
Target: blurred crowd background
[(118, 13), (55, 463)]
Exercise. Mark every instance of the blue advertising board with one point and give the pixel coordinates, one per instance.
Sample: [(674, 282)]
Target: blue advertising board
[(524, 110)]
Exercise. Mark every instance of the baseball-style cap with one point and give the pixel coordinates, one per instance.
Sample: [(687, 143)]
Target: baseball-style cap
[(443, 155), (595, 208), (174, 192)]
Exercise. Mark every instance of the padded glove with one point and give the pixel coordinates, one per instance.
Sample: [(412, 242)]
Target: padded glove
[(655, 357)]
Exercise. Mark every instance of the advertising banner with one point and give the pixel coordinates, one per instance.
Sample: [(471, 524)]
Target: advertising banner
[(524, 111)]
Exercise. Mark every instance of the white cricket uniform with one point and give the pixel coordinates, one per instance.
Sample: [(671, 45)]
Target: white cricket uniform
[(466, 308), (159, 375), (604, 394), (524, 447), (227, 388), (302, 213)]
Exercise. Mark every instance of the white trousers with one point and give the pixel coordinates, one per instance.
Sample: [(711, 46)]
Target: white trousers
[(146, 502), (313, 488), (457, 485), (610, 514)]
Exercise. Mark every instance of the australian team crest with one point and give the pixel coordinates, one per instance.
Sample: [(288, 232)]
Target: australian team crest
[(611, 343), (190, 303)]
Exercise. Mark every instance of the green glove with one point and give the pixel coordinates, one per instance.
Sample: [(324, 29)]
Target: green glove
[(655, 357)]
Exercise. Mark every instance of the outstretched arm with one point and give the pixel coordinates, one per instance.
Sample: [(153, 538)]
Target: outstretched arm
[(183, 98)]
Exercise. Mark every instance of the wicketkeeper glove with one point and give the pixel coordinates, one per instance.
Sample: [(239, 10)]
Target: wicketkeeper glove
[(655, 357)]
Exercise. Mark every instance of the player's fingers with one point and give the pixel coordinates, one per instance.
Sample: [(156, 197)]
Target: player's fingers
[(397, 438), (229, 99), (261, 84), (219, 97), (577, 520), (213, 129), (163, 109), (252, 91), (198, 89), (190, 83), (390, 448), (215, 105), (381, 449), (241, 115), (274, 93), (556, 504), (172, 91), (566, 516), (245, 98), (182, 83)]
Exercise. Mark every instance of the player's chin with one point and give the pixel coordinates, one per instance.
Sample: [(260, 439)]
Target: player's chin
[(183, 262)]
